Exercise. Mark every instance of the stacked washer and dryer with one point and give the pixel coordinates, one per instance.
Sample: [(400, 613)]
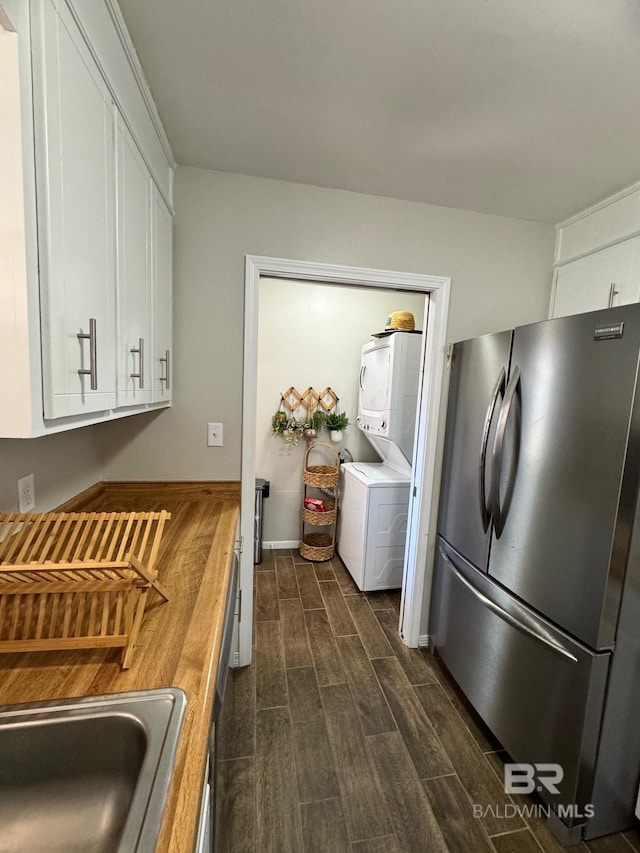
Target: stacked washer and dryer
[(374, 496)]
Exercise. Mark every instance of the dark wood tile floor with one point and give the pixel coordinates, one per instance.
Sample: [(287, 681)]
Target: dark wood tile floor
[(340, 739)]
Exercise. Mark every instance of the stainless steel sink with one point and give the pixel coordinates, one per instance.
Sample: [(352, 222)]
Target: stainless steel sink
[(87, 775)]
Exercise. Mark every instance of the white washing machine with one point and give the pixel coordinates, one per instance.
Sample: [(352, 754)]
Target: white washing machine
[(372, 523), (374, 498)]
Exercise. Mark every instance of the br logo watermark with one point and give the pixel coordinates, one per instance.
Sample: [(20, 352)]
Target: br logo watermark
[(527, 778)]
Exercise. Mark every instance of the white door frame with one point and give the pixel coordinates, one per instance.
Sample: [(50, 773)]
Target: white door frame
[(423, 501)]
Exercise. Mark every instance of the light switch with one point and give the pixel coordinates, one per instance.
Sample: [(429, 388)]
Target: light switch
[(214, 435)]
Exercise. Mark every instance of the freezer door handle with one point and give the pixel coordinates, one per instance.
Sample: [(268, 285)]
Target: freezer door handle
[(523, 623), (498, 449), (485, 511)]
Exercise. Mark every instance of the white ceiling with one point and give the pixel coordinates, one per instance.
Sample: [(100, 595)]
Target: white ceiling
[(525, 108)]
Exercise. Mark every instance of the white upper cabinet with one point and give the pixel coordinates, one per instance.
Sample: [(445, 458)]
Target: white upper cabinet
[(597, 258), (18, 331), (162, 263), (75, 168), (134, 272), (602, 279), (93, 228)]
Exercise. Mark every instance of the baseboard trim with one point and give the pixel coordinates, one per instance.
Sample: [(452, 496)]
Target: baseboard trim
[(278, 545), (185, 489), (423, 641)]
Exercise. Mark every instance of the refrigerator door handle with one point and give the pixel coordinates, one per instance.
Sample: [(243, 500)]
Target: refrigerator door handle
[(498, 447), (525, 624), (485, 510)]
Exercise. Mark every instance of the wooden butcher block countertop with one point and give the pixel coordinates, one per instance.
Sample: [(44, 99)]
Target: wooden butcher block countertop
[(179, 643)]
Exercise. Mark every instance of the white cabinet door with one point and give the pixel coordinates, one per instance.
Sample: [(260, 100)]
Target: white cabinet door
[(74, 140), (134, 271), (603, 279), (162, 266)]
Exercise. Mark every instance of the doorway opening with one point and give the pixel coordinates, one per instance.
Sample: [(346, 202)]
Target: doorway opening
[(434, 291)]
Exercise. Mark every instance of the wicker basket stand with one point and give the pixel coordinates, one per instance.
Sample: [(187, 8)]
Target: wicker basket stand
[(318, 529)]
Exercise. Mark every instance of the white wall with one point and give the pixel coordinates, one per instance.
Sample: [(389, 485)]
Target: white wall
[(311, 335), (501, 276), (63, 465), (500, 269)]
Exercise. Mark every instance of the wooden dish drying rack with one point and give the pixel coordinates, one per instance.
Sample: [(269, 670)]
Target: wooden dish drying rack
[(77, 580)]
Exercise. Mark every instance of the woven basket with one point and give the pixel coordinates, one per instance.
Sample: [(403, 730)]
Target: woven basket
[(317, 547), (321, 476), (320, 519)]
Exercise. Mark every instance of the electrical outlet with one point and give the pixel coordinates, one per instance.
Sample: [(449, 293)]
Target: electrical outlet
[(214, 435), (26, 493)]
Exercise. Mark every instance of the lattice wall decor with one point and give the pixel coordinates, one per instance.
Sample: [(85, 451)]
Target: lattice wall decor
[(310, 399)]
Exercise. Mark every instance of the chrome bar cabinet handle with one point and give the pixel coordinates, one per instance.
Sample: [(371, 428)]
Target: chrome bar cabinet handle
[(612, 294), (93, 354), (166, 359), (140, 374)]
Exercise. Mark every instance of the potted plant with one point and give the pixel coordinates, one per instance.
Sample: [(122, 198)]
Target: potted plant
[(288, 428), (293, 432), (314, 424), (336, 422), (278, 422), (318, 420), (309, 429)]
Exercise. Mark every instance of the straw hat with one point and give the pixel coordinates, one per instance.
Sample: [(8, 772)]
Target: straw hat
[(398, 321), (402, 320)]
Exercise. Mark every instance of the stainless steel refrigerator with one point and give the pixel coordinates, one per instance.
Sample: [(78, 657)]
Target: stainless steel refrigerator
[(536, 602)]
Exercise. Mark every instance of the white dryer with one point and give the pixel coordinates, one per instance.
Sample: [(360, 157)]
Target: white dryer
[(374, 499), (388, 395), (372, 524)]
